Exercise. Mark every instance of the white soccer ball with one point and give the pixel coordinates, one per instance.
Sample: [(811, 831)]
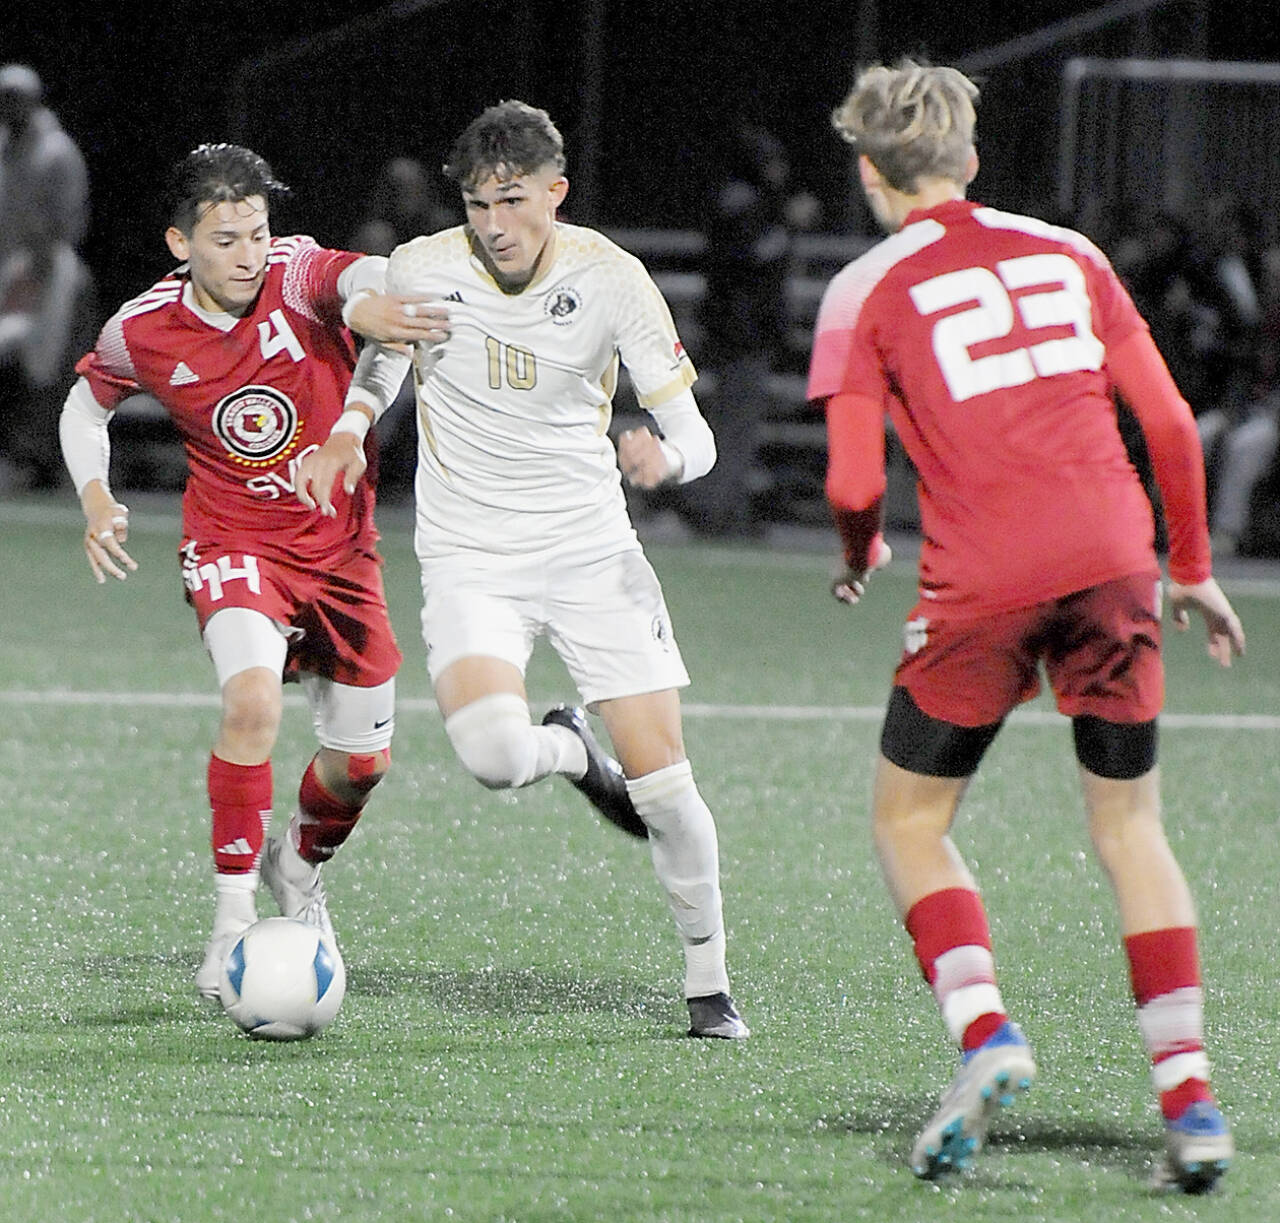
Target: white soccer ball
[(282, 980)]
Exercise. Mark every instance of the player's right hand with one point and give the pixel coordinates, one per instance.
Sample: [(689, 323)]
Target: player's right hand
[(341, 455), (106, 529)]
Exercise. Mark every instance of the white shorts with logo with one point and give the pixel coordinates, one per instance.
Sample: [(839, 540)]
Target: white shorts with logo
[(605, 617)]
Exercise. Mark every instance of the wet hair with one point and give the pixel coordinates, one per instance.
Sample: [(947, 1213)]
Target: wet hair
[(506, 140), (912, 121), (214, 174)]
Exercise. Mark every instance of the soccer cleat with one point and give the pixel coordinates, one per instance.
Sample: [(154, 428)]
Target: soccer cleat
[(1198, 1150), (990, 1079), (603, 782), (304, 902), (716, 1016), (209, 974)]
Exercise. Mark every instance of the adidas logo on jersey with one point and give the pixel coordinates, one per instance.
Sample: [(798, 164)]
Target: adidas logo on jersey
[(238, 846), (455, 296), (183, 375)]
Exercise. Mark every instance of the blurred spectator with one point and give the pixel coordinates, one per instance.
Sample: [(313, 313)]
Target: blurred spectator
[(404, 202), (48, 308), (1231, 237), (1241, 447), (43, 182), (1171, 278), (48, 317), (752, 217), (1245, 456)]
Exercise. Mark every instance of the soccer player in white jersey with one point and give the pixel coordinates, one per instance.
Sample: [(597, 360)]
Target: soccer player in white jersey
[(522, 526)]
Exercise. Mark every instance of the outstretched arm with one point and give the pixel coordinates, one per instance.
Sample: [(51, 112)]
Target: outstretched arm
[(389, 318), (374, 385)]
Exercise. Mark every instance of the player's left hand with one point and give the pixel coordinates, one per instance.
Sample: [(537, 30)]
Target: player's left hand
[(643, 461), (392, 318), (850, 586), (341, 455), (1226, 634)]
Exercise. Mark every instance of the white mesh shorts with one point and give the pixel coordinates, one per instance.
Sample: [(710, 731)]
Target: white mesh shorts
[(605, 617)]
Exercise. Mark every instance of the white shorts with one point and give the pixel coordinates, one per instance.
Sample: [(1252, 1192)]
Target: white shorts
[(358, 721), (605, 617)]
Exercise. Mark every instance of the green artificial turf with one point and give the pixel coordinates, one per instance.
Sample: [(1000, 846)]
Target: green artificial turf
[(511, 1044)]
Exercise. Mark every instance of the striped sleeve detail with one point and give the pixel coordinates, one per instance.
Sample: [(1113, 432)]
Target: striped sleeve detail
[(112, 347)]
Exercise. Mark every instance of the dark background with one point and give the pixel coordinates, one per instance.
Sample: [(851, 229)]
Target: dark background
[(642, 89)]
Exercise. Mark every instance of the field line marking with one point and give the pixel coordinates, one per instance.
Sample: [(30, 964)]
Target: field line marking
[(752, 713)]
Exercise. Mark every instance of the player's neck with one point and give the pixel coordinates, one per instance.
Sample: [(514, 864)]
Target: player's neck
[(517, 283), (930, 194)]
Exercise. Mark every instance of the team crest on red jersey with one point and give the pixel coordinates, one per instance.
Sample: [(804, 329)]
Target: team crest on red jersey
[(257, 424)]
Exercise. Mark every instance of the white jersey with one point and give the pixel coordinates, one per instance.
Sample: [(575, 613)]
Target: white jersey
[(514, 408)]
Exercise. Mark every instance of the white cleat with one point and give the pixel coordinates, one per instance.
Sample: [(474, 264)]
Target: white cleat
[(209, 974), (303, 900), (990, 1079)]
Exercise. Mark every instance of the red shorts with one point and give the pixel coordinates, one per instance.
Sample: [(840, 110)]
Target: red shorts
[(1100, 649), (337, 617)]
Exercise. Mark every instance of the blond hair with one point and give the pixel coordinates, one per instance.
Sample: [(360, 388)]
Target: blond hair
[(912, 121)]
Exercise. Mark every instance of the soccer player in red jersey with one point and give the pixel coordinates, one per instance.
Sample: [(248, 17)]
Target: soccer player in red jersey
[(995, 343), (246, 344)]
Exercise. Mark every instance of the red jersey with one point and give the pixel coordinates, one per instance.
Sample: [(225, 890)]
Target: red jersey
[(987, 337), (249, 401)]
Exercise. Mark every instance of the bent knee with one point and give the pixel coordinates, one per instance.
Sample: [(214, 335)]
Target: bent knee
[(252, 705), (493, 738)]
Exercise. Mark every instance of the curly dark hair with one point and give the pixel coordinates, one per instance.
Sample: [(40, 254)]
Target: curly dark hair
[(212, 174), (506, 140)]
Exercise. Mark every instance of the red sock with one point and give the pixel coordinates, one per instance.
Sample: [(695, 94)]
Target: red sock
[(324, 821), (240, 802), (1164, 970), (952, 943)]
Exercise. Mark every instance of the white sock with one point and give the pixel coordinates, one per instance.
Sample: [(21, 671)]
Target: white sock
[(236, 899), (686, 859), (293, 866)]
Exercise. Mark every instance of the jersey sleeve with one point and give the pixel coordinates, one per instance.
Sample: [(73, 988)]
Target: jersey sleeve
[(646, 337), (310, 284), (1116, 318), (844, 359), (108, 368), (1173, 443)]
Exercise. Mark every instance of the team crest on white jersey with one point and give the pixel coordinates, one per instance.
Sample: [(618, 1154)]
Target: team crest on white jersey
[(257, 424), (563, 305)]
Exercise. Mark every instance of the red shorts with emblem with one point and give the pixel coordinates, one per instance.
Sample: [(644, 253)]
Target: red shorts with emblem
[(336, 615), (1100, 649)]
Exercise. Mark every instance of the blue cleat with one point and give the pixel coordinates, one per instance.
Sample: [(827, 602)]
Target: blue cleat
[(1198, 1150), (990, 1079)]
